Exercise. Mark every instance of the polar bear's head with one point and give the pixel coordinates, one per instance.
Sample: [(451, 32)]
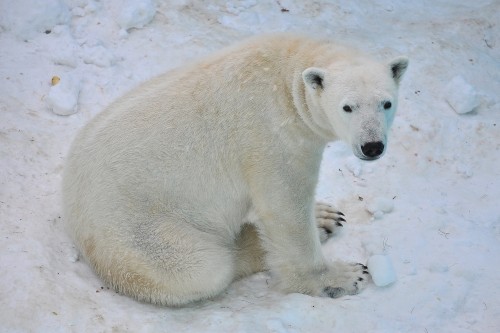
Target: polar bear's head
[(355, 101)]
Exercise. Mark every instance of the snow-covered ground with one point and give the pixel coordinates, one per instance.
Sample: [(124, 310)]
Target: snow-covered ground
[(432, 204)]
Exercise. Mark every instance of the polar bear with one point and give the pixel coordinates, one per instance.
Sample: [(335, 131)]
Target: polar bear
[(207, 173)]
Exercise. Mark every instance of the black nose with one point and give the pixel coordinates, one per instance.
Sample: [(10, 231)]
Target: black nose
[(373, 149)]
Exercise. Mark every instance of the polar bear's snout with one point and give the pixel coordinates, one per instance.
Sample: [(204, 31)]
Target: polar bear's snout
[(372, 150)]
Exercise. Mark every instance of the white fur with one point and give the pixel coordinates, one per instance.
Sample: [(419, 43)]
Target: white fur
[(207, 173)]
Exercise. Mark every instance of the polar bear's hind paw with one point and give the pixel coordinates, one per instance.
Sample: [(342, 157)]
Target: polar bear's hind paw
[(349, 282)]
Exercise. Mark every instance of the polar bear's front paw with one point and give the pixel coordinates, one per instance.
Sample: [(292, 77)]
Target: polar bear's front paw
[(328, 220), (346, 279)]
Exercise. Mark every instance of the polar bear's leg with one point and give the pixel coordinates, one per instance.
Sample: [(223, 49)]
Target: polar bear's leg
[(250, 255), (169, 264), (291, 239), (328, 220)]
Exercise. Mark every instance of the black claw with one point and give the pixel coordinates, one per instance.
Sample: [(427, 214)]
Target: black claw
[(339, 224), (360, 279), (328, 231), (340, 219), (365, 272), (364, 266), (340, 213)]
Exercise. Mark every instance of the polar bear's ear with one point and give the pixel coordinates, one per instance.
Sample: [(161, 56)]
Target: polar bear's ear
[(398, 67), (313, 77)]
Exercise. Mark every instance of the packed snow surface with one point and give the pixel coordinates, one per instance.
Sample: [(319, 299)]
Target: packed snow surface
[(435, 192)]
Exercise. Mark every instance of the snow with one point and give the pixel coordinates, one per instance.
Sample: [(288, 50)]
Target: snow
[(136, 14), (29, 19), (380, 206), (63, 95), (440, 172), (461, 96), (381, 270)]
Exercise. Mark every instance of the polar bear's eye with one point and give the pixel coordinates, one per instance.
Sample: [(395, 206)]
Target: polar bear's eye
[(387, 105), (347, 108)]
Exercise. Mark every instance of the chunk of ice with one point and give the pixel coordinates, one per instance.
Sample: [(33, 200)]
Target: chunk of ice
[(461, 96), (380, 206), (381, 270), (63, 97)]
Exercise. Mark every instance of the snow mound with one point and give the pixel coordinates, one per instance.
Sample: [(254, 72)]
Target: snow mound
[(32, 18), (380, 206), (136, 14), (98, 55), (353, 164), (381, 270), (63, 95), (461, 96)]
